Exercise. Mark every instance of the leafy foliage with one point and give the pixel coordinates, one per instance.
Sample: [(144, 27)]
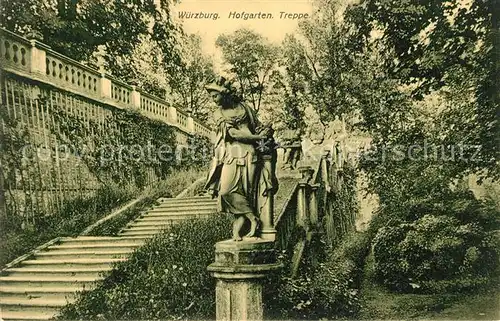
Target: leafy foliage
[(251, 59), (187, 82), (443, 48), (112, 33), (289, 88), (122, 151), (328, 290), (432, 246)]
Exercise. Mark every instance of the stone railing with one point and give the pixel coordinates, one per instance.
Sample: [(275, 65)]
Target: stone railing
[(309, 209), (35, 60)]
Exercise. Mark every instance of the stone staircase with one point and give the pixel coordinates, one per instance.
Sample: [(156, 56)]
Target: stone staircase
[(37, 287)]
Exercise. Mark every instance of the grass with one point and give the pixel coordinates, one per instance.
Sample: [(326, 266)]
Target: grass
[(381, 304)]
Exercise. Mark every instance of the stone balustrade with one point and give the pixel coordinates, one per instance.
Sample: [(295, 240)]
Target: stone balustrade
[(35, 60)]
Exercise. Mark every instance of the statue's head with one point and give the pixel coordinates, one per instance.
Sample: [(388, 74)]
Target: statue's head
[(223, 91)]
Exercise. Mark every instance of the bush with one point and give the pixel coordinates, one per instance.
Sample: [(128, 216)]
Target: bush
[(167, 278), (330, 290), (444, 246)]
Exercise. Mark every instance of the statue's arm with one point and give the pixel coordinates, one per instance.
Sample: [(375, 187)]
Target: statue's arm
[(245, 137)]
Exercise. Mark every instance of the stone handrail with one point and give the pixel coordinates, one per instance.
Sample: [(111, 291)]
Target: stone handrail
[(308, 209), (286, 221), (35, 60)]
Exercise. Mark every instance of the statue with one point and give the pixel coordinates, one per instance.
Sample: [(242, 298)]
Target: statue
[(237, 175), (292, 146)]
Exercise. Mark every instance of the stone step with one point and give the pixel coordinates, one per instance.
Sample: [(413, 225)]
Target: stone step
[(193, 199), (173, 217), (140, 233), (187, 204), (68, 296), (95, 247), (41, 310), (25, 315), (61, 290), (35, 301), (159, 223), (71, 263), (59, 272), (100, 239), (185, 210), (76, 254), (45, 281), (144, 228)]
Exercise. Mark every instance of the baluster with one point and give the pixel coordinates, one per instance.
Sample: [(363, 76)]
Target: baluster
[(23, 56), (7, 51), (303, 218), (2, 48), (325, 169), (15, 50), (47, 67), (53, 69), (313, 206)]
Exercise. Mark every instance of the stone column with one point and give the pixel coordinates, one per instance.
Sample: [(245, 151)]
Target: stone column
[(302, 211), (302, 202), (267, 209), (313, 206), (240, 269)]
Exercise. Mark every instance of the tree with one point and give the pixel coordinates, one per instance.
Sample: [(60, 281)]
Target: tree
[(79, 29), (187, 83), (251, 59), (289, 87), (323, 65), (445, 48)]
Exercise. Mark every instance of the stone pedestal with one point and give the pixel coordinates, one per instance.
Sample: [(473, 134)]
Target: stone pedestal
[(240, 268)]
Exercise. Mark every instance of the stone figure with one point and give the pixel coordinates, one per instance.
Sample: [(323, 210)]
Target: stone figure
[(292, 145), (237, 175)]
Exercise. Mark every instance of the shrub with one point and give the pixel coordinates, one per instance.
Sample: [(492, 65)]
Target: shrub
[(167, 278), (434, 253), (329, 290)]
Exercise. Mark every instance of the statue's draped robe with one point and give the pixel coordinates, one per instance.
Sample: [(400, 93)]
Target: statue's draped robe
[(236, 167)]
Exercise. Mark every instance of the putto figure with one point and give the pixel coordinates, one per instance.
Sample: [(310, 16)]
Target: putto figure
[(237, 174)]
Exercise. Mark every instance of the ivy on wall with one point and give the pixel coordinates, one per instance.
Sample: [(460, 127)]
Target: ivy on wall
[(87, 149)]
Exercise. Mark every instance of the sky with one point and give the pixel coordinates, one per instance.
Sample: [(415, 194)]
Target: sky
[(274, 29)]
